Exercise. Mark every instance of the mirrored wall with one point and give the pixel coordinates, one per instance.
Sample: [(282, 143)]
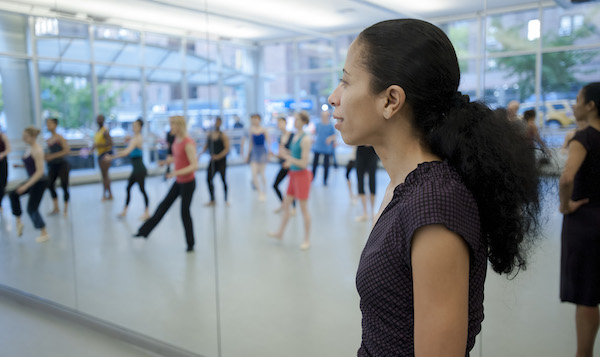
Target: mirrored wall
[(241, 293)]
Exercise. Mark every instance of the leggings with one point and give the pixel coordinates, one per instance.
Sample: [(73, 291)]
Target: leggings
[(280, 176), (186, 191), (362, 167), (349, 167), (213, 167), (325, 165), (56, 170), (140, 180), (3, 178), (35, 197)]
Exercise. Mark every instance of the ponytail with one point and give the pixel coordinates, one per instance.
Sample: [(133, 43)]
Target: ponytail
[(498, 165)]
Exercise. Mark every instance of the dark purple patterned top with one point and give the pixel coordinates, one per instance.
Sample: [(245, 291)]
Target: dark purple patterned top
[(432, 194)]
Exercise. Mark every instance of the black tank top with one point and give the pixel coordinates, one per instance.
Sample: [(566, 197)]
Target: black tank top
[(287, 145), (54, 148), (215, 146), (588, 176), (29, 163)]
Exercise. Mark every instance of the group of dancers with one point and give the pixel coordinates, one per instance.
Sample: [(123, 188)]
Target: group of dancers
[(293, 154)]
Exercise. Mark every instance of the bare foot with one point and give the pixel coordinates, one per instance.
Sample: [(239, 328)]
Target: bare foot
[(209, 204), (122, 214), (43, 238), (145, 217), (227, 203), (275, 235), (66, 213), (293, 212), (305, 245), (278, 210), (262, 197), (20, 228), (53, 212)]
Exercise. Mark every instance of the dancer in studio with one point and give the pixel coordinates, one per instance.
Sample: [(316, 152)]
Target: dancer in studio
[(300, 179), (138, 175), (285, 140), (33, 162), (186, 163), (217, 146), (58, 166), (103, 144), (258, 155)]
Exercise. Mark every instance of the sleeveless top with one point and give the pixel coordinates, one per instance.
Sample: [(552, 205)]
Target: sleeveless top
[(287, 145), (137, 152), (181, 159), (258, 139), (587, 178), (296, 152), (29, 163), (100, 140), (216, 146), (54, 148), (323, 132), (431, 194)]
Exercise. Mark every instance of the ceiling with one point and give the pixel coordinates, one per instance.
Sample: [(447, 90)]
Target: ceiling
[(255, 20)]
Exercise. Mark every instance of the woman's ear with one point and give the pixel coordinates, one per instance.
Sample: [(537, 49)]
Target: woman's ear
[(394, 100)]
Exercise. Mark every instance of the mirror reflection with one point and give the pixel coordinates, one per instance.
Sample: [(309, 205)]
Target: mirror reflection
[(232, 265)]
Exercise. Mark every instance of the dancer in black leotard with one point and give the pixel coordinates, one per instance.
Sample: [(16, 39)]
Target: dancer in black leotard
[(351, 164), (285, 140), (33, 161), (218, 148), (58, 166), (139, 172), (184, 157), (366, 162), (4, 151)]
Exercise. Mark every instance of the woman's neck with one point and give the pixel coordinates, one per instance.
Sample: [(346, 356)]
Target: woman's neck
[(401, 156)]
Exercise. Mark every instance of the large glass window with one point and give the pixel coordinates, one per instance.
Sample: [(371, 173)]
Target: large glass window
[(576, 25), (278, 58), (279, 95), (314, 91), (342, 44), (518, 31), (315, 54), (509, 78), (116, 46), (62, 39)]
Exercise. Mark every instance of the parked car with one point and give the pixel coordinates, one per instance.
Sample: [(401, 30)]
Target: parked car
[(556, 113)]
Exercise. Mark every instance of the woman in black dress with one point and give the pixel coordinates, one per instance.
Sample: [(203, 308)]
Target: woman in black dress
[(580, 203), (463, 189)]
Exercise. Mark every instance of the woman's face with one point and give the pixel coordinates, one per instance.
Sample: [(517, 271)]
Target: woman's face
[(298, 123), (28, 139), (356, 112), (255, 121), (50, 125), (137, 127), (174, 127), (579, 109), (281, 124)]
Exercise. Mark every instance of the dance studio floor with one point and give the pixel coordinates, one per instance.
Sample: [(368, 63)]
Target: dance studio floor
[(268, 298)]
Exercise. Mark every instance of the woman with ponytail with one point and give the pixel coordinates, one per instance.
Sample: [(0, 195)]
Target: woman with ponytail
[(463, 190)]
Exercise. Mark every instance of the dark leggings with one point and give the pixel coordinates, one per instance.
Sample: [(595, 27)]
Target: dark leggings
[(140, 179), (186, 191), (55, 171), (362, 167), (33, 204), (280, 176), (325, 165), (3, 178), (349, 168), (215, 166)]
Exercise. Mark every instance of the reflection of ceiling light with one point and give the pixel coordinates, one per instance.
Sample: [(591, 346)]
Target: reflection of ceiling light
[(346, 10)]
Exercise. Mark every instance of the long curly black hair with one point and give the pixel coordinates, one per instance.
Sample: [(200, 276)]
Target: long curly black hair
[(490, 153)]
